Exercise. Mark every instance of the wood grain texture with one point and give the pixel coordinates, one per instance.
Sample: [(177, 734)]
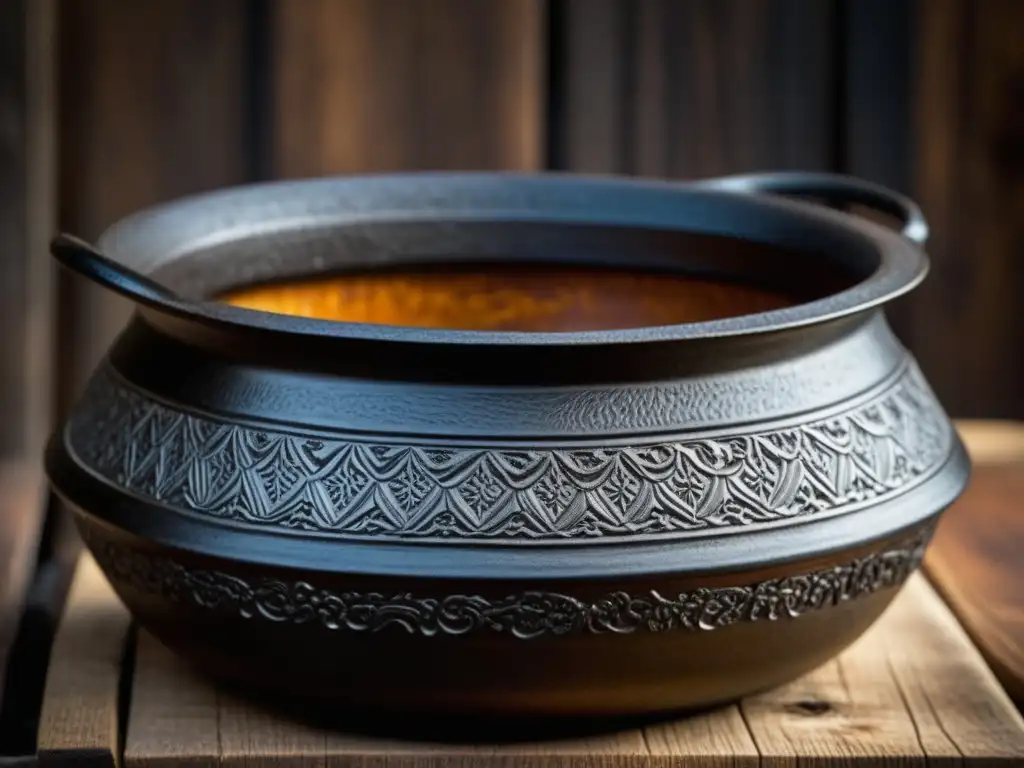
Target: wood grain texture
[(718, 739), (693, 89), (21, 522), (173, 717), (40, 370), (170, 701), (975, 559), (13, 218), (912, 691), (922, 96), (879, 44), (949, 690), (879, 47), (79, 718), (933, 108), (965, 323), (152, 107), (360, 86), (27, 206)]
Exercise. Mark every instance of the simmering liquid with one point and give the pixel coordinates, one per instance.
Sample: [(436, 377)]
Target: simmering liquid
[(520, 299)]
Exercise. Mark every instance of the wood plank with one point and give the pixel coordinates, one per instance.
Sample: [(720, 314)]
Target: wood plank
[(39, 374), (21, 522), (923, 97), (969, 178), (79, 717), (975, 559), (879, 43), (256, 739), (849, 709), (879, 47), (169, 700), (992, 442), (444, 84), (152, 107), (593, 54), (694, 89), (948, 688), (912, 691), (172, 720), (27, 207), (718, 739), (13, 217)]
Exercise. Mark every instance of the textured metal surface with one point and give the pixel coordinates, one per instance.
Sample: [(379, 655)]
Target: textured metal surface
[(501, 648), (633, 393), (524, 615), (208, 243), (251, 479), (352, 487)]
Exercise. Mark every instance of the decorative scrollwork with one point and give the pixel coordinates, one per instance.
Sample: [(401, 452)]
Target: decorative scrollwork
[(526, 615), (351, 488)]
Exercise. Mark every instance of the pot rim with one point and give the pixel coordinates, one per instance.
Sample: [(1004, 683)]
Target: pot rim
[(157, 236)]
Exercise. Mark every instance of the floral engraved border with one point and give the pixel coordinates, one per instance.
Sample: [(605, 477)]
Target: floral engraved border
[(355, 489), (526, 615)]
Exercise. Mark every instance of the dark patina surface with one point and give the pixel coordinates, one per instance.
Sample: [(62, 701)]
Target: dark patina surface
[(606, 522)]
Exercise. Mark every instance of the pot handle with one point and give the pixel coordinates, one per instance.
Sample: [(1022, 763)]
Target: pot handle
[(78, 256), (834, 187)]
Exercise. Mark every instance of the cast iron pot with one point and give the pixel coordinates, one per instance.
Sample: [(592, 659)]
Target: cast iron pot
[(607, 522)]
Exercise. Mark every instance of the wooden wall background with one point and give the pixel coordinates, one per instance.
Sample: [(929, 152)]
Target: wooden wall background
[(109, 105)]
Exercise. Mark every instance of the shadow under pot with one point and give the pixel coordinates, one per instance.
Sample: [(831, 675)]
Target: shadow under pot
[(508, 446)]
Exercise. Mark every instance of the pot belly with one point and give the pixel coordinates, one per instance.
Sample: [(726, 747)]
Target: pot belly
[(628, 646), (598, 549)]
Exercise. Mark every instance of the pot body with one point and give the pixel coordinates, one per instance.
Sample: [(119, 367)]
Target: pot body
[(585, 525)]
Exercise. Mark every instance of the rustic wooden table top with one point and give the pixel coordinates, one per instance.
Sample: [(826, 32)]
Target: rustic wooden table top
[(21, 522), (977, 557), (912, 691)]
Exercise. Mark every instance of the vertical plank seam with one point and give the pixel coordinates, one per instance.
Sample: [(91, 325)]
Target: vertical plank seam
[(418, 99), (40, 97), (646, 743), (839, 150), (942, 726), (906, 705), (628, 116), (932, 17), (218, 703), (533, 152), (125, 687), (257, 68), (927, 698), (750, 732), (967, 70), (554, 87)]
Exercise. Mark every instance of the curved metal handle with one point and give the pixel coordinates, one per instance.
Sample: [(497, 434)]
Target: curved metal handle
[(834, 187), (78, 256)]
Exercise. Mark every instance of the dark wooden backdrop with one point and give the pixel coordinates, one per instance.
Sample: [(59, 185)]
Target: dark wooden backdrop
[(109, 105)]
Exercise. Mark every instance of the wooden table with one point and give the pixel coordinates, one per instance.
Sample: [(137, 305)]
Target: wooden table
[(21, 527), (915, 690), (977, 557), (21, 506), (912, 691)]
